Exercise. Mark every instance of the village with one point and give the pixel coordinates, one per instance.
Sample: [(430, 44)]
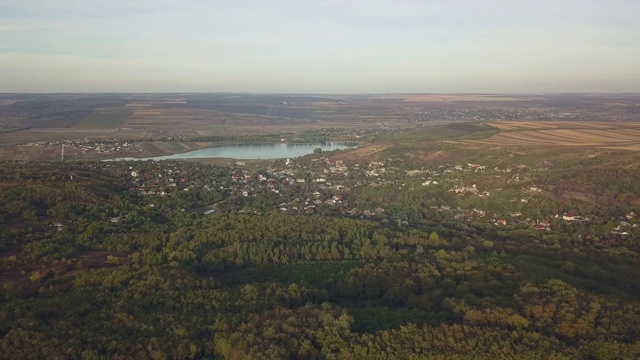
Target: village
[(79, 147), (472, 193), (485, 114)]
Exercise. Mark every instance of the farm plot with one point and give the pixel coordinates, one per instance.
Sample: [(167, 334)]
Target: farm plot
[(106, 119), (604, 135), (538, 125), (172, 117)]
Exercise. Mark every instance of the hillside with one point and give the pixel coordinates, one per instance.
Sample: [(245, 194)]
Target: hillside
[(421, 243)]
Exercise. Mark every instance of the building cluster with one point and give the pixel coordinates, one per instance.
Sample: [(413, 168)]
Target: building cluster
[(491, 114), (326, 185), (86, 146)]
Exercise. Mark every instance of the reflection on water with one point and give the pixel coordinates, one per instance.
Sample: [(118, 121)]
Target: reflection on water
[(252, 151)]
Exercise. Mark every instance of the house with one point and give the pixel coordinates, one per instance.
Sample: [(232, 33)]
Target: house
[(501, 222), (540, 227), (208, 212), (464, 189), (480, 213), (569, 217)]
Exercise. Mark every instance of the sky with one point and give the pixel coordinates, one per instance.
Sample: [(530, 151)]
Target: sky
[(320, 46)]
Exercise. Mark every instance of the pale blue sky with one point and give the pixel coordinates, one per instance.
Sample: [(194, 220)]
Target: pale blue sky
[(321, 46)]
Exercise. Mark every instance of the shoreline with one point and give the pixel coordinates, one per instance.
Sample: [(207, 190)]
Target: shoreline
[(344, 146)]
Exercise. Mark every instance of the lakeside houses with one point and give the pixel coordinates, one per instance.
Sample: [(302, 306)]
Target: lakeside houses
[(322, 185)]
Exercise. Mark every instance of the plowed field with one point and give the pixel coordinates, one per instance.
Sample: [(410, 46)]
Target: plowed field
[(598, 134)]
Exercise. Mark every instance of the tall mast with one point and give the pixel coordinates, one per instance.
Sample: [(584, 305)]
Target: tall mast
[(62, 152)]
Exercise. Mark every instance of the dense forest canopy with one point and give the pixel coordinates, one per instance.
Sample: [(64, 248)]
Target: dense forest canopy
[(328, 257)]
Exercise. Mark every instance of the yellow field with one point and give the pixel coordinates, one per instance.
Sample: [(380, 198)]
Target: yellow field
[(534, 125), (613, 135), (139, 104)]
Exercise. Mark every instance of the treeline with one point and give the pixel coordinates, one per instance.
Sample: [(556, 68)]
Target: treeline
[(262, 138)]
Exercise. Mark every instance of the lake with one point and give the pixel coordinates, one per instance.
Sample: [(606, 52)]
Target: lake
[(251, 151)]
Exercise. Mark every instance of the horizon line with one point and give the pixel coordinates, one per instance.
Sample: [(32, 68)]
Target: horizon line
[(317, 93)]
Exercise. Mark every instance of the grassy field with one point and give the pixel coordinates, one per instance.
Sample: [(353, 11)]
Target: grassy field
[(106, 119)]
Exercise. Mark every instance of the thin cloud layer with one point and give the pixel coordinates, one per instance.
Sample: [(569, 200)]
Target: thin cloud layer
[(324, 46)]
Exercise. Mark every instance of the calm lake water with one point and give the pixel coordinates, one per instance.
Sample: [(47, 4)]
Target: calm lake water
[(251, 151)]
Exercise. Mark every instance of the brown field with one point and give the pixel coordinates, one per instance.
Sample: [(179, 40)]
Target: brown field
[(628, 147), (8, 102), (535, 125), (140, 104), (595, 134), (366, 153), (156, 117)]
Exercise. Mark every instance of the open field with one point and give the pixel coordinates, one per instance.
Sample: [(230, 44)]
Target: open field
[(53, 135), (7, 102), (460, 98), (563, 119), (197, 110), (538, 125), (106, 119), (614, 135)]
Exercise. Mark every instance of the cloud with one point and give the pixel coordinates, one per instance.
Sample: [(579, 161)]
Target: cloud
[(15, 28), (344, 44)]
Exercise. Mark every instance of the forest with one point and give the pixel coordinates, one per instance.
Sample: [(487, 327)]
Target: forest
[(119, 261)]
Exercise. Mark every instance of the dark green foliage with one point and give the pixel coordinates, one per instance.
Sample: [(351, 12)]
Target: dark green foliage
[(90, 270)]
